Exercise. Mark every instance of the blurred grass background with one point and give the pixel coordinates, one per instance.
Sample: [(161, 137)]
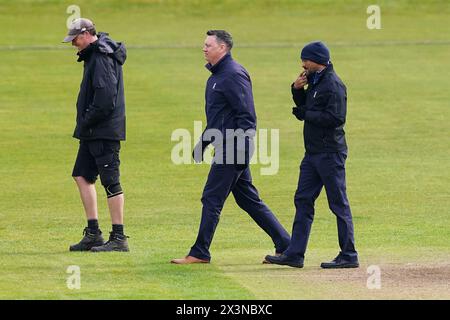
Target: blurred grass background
[(397, 170)]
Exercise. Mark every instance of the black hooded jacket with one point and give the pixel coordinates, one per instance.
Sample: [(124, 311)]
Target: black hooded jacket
[(101, 101)]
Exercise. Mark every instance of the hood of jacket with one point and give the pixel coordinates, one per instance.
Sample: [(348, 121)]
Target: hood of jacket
[(106, 45), (114, 49)]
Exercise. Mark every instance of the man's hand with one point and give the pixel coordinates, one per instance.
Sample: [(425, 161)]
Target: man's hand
[(301, 81), (82, 123), (197, 153), (299, 113)]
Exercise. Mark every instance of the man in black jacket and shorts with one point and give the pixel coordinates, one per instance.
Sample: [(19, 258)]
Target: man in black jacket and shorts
[(100, 126)]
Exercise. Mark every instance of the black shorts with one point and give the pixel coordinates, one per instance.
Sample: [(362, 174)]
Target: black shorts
[(98, 157)]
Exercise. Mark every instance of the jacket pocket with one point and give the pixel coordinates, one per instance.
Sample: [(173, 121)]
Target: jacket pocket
[(105, 160), (320, 101)]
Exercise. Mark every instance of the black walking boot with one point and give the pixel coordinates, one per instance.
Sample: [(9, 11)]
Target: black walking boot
[(116, 242), (89, 241)]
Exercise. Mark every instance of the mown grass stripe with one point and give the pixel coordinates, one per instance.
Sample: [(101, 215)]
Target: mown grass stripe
[(250, 45)]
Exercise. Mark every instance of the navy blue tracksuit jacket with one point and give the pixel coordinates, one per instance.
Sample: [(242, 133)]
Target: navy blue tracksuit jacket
[(229, 105), (322, 107), (229, 97)]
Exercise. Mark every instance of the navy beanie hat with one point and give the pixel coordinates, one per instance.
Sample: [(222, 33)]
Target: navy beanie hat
[(316, 52)]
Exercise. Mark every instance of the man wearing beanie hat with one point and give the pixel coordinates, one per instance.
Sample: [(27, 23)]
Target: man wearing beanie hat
[(322, 106)]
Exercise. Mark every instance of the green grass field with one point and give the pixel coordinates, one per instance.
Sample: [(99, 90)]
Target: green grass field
[(398, 169)]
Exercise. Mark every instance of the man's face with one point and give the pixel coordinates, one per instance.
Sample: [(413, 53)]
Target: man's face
[(213, 50), (310, 66), (81, 41)]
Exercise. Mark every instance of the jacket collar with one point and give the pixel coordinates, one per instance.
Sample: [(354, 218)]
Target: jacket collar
[(220, 64), (319, 76), (86, 53)]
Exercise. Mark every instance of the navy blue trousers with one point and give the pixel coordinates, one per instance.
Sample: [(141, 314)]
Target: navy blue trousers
[(222, 180), (316, 171)]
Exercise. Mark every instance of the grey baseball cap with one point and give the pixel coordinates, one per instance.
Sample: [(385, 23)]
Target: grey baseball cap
[(77, 27)]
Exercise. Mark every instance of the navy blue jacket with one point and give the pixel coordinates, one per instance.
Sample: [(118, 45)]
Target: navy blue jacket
[(323, 107), (229, 97), (101, 102), (229, 105)]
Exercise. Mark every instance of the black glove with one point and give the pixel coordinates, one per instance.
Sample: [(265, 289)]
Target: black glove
[(199, 149), (299, 113), (82, 124)]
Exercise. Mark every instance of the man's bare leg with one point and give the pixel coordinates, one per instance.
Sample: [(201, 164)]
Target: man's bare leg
[(115, 205), (117, 239), (88, 196), (92, 235)]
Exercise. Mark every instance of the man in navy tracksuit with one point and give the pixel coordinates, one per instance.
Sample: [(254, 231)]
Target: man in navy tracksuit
[(322, 107), (231, 124)]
